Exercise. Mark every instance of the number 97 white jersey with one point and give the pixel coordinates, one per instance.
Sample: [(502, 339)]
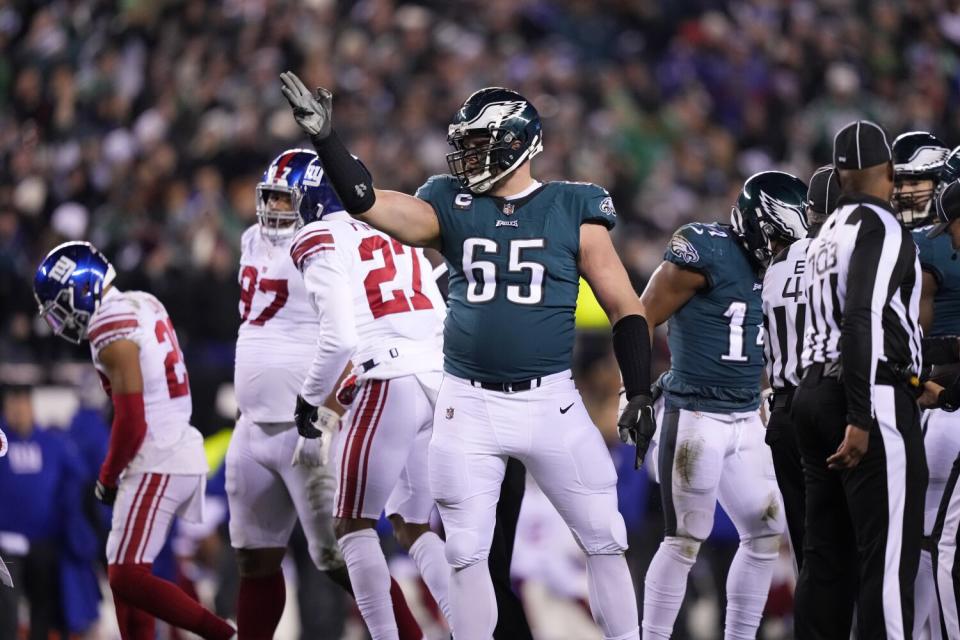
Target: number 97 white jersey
[(378, 293), (171, 444)]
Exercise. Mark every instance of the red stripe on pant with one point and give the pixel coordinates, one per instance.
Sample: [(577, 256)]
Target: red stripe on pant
[(368, 443), (361, 404), (153, 517), (357, 439), (140, 517), (126, 527)]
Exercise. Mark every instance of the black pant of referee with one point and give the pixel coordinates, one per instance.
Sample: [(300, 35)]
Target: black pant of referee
[(781, 437), (864, 525)]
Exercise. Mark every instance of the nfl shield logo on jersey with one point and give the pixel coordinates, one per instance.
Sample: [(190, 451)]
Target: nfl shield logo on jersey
[(508, 209), (449, 413)]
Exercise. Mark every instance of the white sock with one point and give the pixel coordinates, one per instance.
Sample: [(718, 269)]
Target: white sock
[(370, 579), (427, 553), (748, 584), (473, 602), (665, 585), (613, 599)]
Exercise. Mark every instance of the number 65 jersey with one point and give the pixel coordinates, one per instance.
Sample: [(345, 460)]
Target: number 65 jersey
[(171, 445), (372, 293)]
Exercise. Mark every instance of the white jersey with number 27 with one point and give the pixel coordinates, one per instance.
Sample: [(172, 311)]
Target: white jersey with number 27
[(370, 292)]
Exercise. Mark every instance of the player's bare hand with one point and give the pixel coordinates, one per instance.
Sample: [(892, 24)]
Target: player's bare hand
[(105, 494), (637, 426), (851, 450), (313, 112), (930, 398)]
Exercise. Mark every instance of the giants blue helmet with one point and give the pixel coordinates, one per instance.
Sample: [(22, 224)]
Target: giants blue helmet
[(297, 174), (69, 285)]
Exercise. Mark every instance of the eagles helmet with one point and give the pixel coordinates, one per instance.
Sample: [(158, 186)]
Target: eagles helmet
[(494, 132), (771, 207), (69, 285), (949, 172), (297, 174), (917, 159)]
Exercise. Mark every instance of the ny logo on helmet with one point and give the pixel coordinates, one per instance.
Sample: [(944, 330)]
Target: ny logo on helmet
[(63, 269)]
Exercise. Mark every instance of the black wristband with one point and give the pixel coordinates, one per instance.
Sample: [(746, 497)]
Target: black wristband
[(347, 175), (631, 346)]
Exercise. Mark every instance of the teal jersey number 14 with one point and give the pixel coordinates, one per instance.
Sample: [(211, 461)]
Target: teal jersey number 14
[(513, 276), (716, 338)]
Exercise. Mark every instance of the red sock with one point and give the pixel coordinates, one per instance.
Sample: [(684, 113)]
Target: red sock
[(406, 623), (260, 606), (135, 624), (134, 584)]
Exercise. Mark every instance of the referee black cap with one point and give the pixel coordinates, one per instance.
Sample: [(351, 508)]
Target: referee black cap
[(860, 145), (947, 203), (824, 190)]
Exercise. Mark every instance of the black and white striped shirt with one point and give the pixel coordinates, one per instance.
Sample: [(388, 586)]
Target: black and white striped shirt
[(784, 308), (863, 298)]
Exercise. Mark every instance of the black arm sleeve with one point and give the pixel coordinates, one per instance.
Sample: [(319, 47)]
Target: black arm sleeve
[(631, 346), (347, 175), (872, 269), (938, 350)]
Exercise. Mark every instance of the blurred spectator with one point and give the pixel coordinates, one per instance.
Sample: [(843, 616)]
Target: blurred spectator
[(48, 545)]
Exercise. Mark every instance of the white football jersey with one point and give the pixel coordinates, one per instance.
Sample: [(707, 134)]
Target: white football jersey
[(278, 330), (171, 444), (372, 292)]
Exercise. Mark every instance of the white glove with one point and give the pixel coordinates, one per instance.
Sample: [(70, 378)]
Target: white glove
[(3, 444), (314, 452), (313, 112)]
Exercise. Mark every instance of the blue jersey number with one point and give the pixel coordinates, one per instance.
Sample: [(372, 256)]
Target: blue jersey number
[(482, 274)]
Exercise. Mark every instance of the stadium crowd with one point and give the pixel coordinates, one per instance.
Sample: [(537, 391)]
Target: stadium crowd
[(144, 125)]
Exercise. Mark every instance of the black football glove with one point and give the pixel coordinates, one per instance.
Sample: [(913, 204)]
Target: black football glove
[(637, 426), (305, 415), (106, 495)]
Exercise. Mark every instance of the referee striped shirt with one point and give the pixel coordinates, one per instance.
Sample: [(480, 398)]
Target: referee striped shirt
[(863, 298), (784, 309)]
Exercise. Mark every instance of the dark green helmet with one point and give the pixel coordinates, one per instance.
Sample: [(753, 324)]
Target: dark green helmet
[(771, 207), (950, 171), (918, 157), (494, 132)]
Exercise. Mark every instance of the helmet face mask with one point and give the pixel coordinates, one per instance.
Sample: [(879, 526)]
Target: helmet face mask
[(918, 160), (912, 199), (278, 223), (494, 132), (63, 319)]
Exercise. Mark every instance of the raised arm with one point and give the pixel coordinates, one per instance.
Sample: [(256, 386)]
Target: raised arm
[(406, 218)]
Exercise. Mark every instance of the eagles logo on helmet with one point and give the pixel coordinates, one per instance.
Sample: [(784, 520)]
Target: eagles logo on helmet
[(494, 132), (918, 157), (770, 207)]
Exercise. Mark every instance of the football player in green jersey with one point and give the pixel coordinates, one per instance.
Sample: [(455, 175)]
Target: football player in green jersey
[(515, 249), (711, 438), (922, 167)]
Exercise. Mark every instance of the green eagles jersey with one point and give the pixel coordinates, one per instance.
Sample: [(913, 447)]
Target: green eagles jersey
[(513, 276), (716, 340), (940, 260)]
